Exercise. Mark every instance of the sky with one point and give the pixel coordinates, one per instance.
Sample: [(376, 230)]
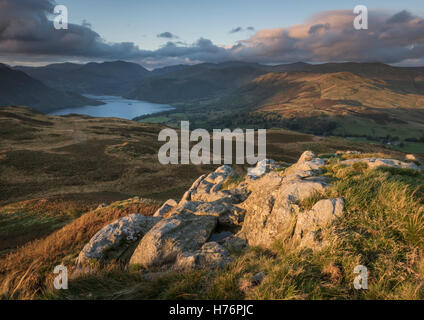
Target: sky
[(166, 32), (141, 21)]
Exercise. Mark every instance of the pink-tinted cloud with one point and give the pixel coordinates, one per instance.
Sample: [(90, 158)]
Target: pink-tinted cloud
[(331, 36)]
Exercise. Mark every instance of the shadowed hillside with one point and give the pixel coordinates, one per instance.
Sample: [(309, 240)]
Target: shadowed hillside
[(17, 88), (107, 78)]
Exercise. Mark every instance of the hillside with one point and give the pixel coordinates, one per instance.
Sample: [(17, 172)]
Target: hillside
[(373, 102), (61, 166), (107, 78), (292, 232), (355, 105), (17, 88), (199, 82), (64, 178)]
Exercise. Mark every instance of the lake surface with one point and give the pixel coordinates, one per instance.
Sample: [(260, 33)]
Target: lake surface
[(117, 107)]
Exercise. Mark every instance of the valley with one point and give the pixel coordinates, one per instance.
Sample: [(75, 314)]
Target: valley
[(368, 102)]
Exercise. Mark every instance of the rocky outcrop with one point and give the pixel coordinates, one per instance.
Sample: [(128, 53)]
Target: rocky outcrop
[(166, 207), (228, 214), (208, 187), (115, 240), (209, 221), (374, 163), (308, 165), (271, 209), (173, 237), (262, 167)]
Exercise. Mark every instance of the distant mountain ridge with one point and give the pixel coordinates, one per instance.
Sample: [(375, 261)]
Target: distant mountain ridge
[(107, 78), (18, 88), (208, 80), (363, 100), (182, 83)]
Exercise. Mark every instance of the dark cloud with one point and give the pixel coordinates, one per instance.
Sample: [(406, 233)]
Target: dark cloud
[(400, 17), (25, 28), (240, 29), (317, 27), (167, 35), (235, 30)]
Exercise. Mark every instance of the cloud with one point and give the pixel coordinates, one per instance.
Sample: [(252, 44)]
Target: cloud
[(403, 16), (26, 28), (317, 27), (27, 34), (235, 30), (240, 29), (330, 36), (167, 35)]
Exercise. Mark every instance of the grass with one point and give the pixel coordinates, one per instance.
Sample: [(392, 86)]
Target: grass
[(382, 228), (25, 221), (309, 202), (77, 154), (28, 272), (155, 120)]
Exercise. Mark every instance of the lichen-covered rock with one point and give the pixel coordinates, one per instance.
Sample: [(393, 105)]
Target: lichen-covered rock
[(271, 209), (207, 187), (172, 237), (166, 207), (115, 240), (210, 256), (308, 165), (228, 214), (374, 163), (187, 195), (262, 167), (310, 223)]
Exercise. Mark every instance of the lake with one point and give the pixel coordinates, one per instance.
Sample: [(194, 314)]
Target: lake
[(117, 107)]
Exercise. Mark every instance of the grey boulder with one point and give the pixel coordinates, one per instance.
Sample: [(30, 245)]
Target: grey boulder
[(210, 256), (172, 237), (116, 239)]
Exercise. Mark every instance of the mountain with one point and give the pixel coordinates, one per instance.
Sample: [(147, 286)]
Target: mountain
[(107, 78), (169, 69), (208, 80), (358, 100), (340, 103), (198, 82), (18, 88)]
